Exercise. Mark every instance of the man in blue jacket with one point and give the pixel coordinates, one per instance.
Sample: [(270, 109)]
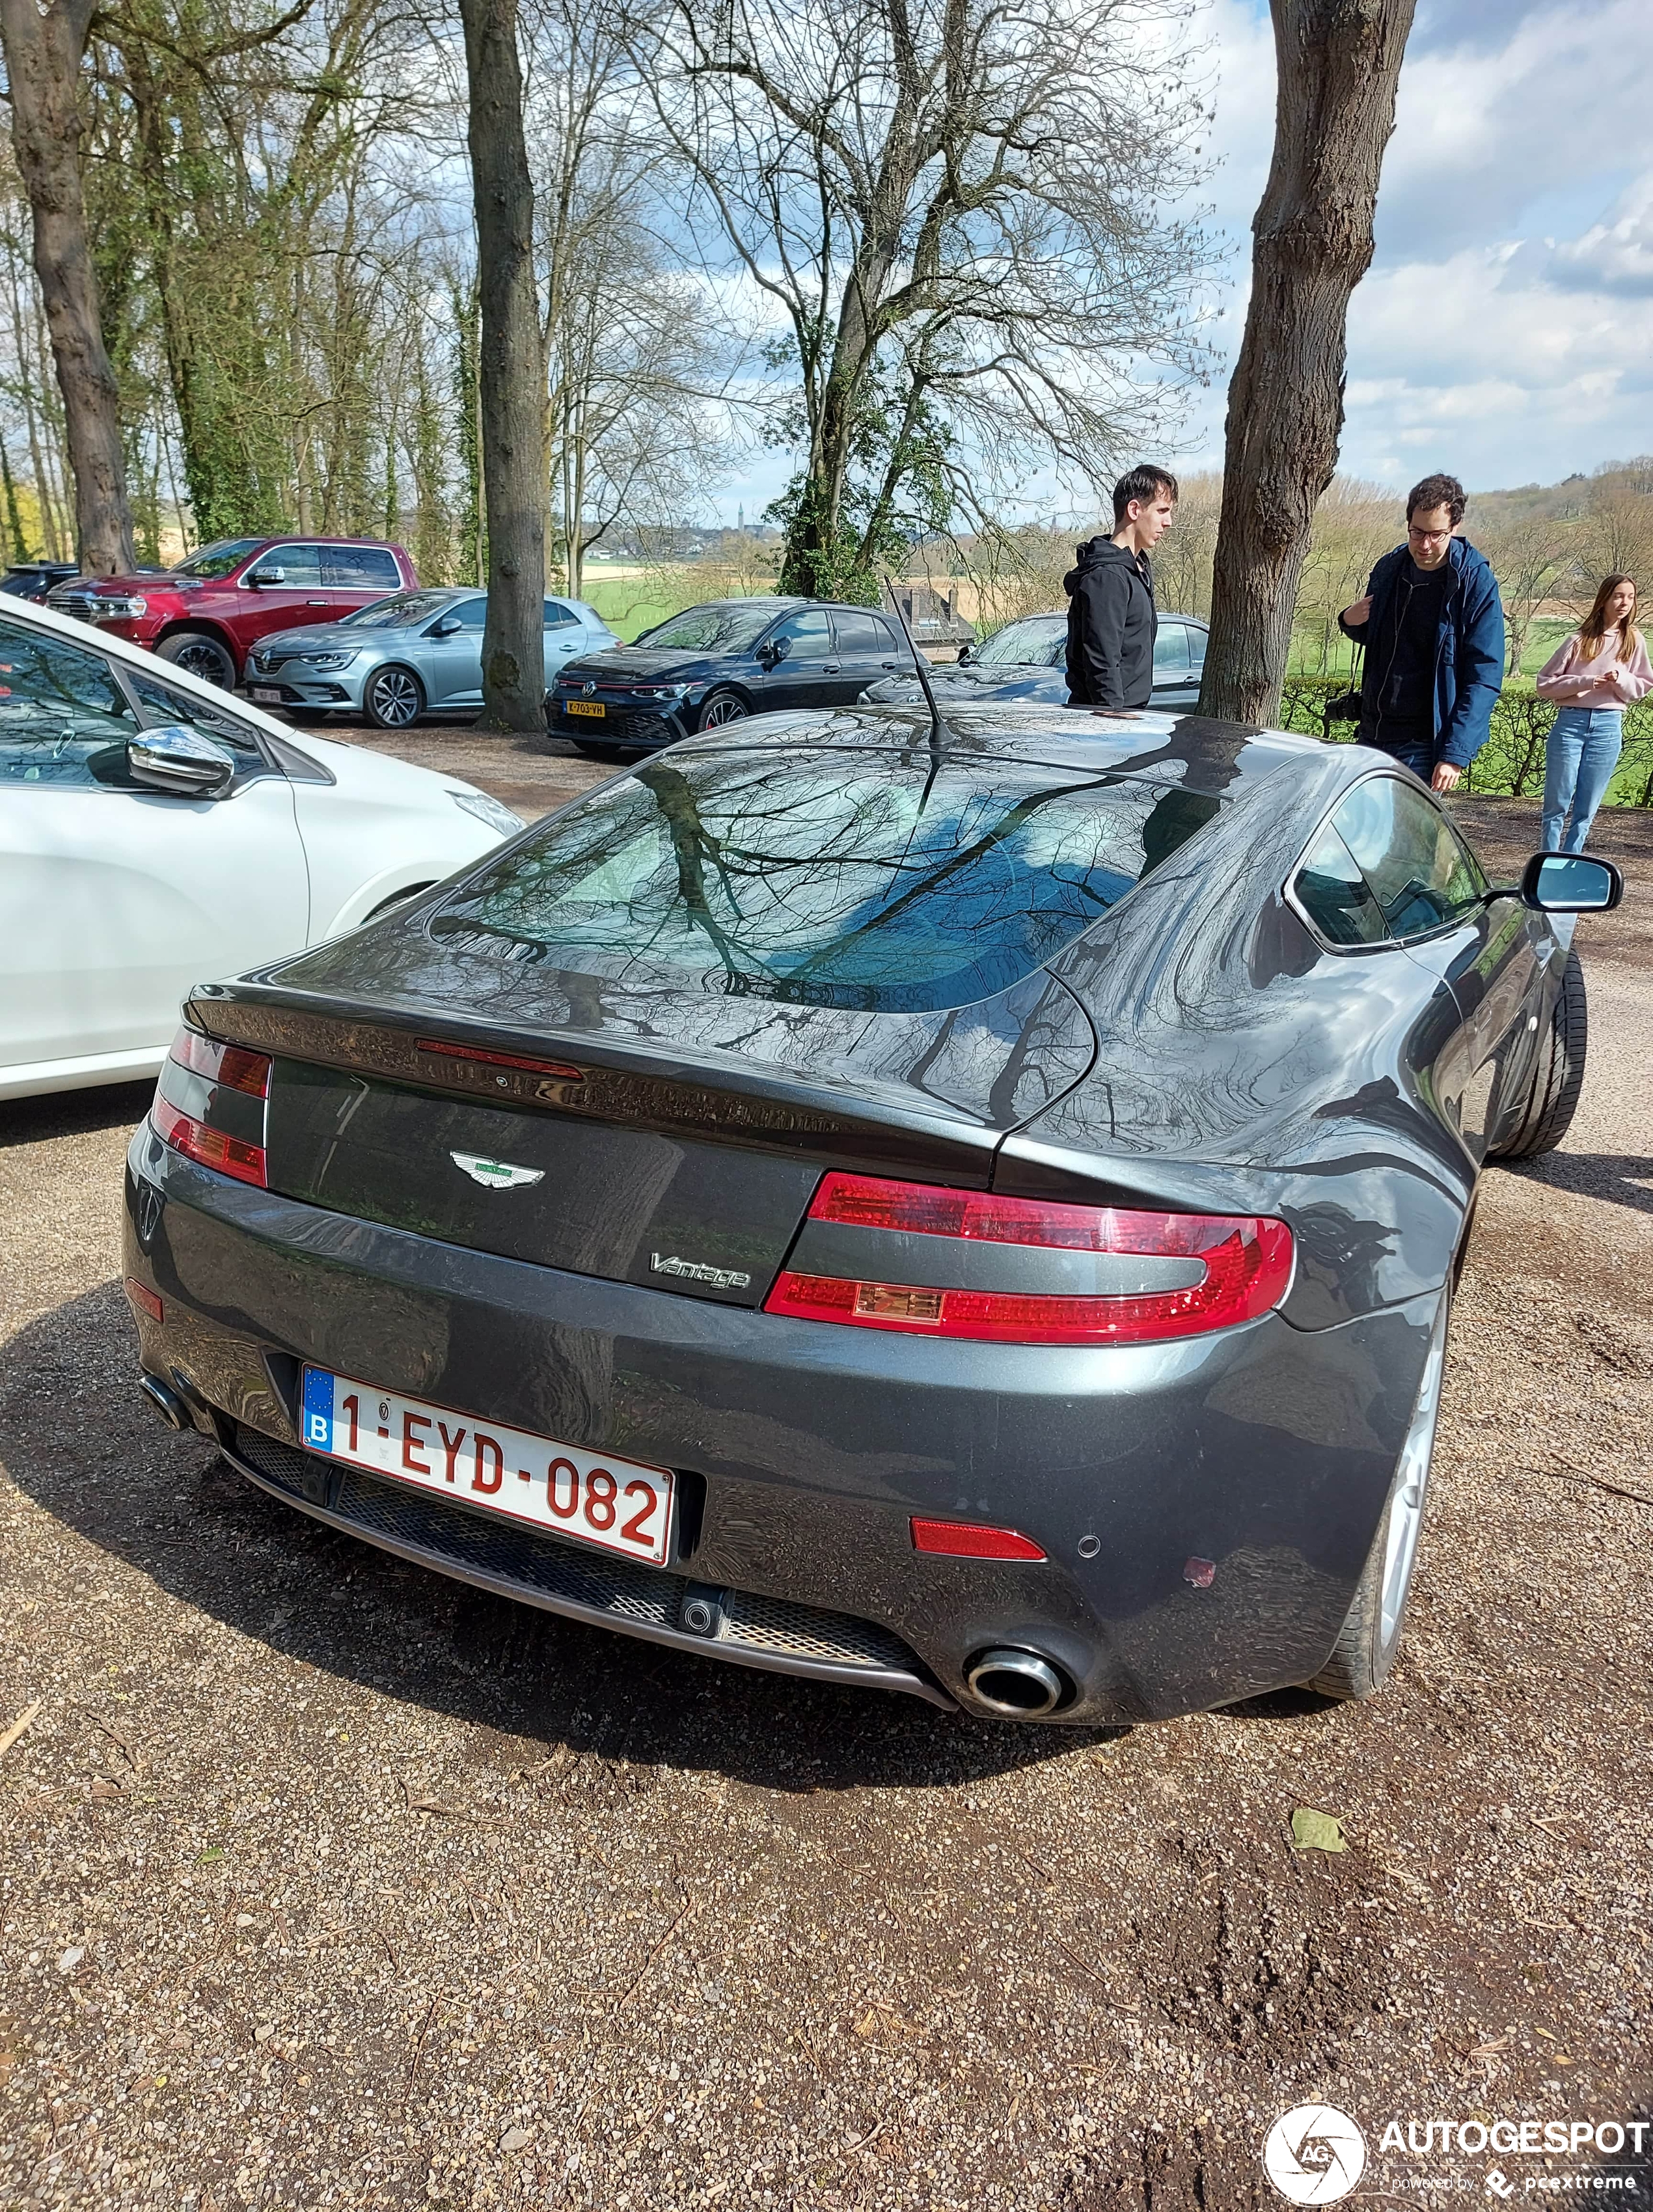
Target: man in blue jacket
[(1432, 625)]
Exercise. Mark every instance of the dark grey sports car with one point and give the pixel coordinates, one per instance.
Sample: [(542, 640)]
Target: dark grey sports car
[(967, 1210)]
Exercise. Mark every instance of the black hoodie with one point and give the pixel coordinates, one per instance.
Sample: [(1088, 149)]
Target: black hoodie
[(1112, 626)]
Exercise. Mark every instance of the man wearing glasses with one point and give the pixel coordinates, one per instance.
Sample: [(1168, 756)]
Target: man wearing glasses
[(1432, 625)]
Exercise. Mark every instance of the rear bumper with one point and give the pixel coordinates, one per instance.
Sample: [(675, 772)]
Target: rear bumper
[(1265, 1451)]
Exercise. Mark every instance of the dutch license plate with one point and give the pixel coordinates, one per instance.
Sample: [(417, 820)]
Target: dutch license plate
[(264, 694), (592, 707), (594, 1497)]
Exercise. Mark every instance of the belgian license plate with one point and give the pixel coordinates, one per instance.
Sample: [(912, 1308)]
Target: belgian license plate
[(594, 1497), (265, 694), (592, 707)]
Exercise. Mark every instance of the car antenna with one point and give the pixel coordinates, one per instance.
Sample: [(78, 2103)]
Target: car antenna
[(921, 669)]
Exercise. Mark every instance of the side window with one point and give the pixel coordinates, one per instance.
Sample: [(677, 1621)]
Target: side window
[(1334, 895), (1169, 652), (558, 616), (159, 702), (859, 633), (1419, 870), (1195, 645), (472, 612), (64, 720), (359, 568), (808, 636), (300, 564)]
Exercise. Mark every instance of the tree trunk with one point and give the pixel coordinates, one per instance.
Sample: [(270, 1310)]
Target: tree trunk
[(512, 402), (44, 55), (1339, 61)]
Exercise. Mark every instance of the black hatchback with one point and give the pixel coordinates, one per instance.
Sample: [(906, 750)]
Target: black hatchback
[(719, 663)]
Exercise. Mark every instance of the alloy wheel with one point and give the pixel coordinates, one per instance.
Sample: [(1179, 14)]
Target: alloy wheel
[(724, 708), (393, 698), (201, 657)]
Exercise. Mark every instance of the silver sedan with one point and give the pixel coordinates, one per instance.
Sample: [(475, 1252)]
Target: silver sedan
[(412, 654)]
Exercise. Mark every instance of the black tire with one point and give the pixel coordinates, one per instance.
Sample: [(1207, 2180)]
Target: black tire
[(200, 653), (1559, 1076), (393, 698), (308, 717), (718, 707), (1370, 1639)]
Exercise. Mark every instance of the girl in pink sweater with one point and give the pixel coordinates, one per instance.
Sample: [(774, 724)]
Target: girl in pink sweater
[(1600, 671)]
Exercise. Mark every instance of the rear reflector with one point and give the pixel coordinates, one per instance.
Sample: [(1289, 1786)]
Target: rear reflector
[(142, 1299), (1247, 1262), (965, 1540), (222, 1063), (207, 1147), (469, 1051)]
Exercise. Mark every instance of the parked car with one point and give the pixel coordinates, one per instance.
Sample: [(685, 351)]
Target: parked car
[(154, 832), (969, 1213), (32, 580), (207, 614), (412, 654), (719, 663), (1027, 660)]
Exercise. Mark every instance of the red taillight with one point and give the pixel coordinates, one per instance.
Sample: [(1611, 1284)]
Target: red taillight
[(210, 1148), (1246, 1262), (223, 1063), (967, 1539)]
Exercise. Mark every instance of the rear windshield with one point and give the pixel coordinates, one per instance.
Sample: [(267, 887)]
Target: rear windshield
[(883, 882)]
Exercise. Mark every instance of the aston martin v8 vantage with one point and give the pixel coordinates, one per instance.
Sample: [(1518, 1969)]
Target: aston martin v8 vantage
[(965, 1208)]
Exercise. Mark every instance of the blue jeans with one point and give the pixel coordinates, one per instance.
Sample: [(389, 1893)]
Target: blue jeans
[(1579, 763)]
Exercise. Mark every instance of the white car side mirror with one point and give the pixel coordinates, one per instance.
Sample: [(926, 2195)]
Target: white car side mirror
[(184, 762)]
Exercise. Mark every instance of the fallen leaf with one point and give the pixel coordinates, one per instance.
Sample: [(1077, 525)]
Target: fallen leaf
[(102, 1788), (71, 1960), (1316, 1831), (21, 1726), (516, 2138), (867, 2023)]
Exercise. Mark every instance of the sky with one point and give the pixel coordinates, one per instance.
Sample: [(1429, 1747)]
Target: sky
[(1504, 331)]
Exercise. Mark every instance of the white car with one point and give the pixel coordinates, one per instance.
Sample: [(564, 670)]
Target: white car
[(155, 834)]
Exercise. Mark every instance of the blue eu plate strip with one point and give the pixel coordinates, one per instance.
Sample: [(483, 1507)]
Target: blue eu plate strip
[(318, 1410)]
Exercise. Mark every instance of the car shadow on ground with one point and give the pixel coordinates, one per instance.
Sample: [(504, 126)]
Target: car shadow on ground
[(76, 1438), (1622, 1179), (72, 1113)]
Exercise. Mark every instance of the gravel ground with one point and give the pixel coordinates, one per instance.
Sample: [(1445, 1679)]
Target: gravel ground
[(329, 1883)]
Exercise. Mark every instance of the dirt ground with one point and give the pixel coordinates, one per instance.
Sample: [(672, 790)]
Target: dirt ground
[(328, 1883)]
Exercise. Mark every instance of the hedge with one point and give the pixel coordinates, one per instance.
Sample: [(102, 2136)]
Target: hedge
[(1511, 762)]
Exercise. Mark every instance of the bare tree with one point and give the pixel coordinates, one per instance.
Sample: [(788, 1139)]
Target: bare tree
[(1339, 61), (44, 53), (1528, 555), (946, 213), (510, 371)]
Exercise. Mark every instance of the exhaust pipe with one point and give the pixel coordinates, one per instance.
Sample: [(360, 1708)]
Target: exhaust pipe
[(1020, 1684), (165, 1401)]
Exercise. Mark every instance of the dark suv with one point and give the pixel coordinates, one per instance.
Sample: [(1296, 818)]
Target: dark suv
[(717, 663), (209, 612)]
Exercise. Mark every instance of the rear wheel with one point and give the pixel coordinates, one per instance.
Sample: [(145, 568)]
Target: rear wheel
[(394, 697), (721, 707), (1365, 1649), (200, 653), (1559, 1076)]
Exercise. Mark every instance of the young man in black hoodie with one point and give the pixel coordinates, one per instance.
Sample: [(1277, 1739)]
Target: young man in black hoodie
[(1111, 623)]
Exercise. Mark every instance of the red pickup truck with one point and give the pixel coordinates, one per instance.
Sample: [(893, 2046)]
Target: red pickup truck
[(209, 612)]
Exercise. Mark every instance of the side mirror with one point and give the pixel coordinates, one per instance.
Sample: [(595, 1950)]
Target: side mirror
[(449, 626), (1571, 883), (965, 656), (181, 760), (776, 650), (267, 576)]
